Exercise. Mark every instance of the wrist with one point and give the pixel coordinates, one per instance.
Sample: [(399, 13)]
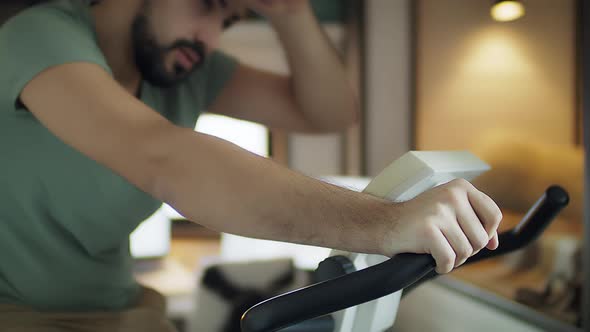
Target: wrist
[(294, 20), (381, 218), (387, 230)]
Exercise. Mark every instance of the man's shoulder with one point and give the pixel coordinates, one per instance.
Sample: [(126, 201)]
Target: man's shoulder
[(44, 36), (71, 12), (62, 24)]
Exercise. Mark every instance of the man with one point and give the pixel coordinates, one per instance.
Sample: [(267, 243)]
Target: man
[(97, 109)]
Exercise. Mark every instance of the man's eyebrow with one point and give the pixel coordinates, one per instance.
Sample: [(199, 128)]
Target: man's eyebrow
[(208, 5), (223, 4)]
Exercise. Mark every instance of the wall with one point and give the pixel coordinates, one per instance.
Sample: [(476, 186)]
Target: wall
[(477, 77), (506, 91), (388, 82)]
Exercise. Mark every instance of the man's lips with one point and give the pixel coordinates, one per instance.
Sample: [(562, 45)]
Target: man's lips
[(187, 58)]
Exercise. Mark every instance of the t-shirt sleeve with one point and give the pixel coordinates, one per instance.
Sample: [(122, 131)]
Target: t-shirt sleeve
[(220, 69), (40, 38)]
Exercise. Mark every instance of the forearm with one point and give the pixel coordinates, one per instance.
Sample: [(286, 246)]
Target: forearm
[(320, 85), (228, 189)]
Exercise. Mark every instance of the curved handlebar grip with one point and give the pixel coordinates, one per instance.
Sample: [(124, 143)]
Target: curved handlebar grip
[(532, 225), (337, 294), (388, 277)]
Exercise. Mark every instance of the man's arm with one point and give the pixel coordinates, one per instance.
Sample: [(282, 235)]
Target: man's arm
[(317, 97), (207, 179), (226, 188)]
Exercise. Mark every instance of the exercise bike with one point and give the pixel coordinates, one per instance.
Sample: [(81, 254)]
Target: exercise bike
[(361, 293)]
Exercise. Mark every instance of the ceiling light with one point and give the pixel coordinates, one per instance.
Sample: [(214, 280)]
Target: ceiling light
[(507, 10)]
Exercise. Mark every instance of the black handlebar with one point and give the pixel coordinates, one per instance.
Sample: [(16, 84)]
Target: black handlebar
[(395, 274), (532, 225)]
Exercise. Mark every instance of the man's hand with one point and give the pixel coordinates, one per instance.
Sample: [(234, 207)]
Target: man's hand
[(451, 222), (316, 97), (275, 10)]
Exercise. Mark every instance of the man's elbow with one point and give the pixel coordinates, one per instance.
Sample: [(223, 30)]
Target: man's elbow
[(353, 117), (349, 116)]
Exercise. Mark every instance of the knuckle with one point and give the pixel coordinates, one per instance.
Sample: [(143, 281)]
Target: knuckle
[(445, 262), (430, 231), (449, 267), (460, 258), (465, 253), (440, 209), (461, 183), (444, 270), (448, 259), (494, 212), (480, 242), (498, 216), (453, 195), (449, 191), (492, 222)]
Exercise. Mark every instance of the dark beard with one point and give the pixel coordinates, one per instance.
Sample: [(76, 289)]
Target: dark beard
[(149, 56)]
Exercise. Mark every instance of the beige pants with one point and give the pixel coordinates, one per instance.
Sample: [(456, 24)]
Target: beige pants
[(149, 315)]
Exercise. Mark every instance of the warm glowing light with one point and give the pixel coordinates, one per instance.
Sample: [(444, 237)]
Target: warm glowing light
[(505, 11), (497, 55)]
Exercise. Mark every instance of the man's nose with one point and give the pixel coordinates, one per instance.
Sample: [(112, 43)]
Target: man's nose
[(209, 32)]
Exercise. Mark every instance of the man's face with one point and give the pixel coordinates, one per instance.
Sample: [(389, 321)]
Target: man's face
[(172, 38)]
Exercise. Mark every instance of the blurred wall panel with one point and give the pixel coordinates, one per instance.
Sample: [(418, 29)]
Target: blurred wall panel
[(388, 82), (477, 77)]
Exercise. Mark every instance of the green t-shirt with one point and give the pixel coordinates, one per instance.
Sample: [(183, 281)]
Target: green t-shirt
[(65, 220)]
